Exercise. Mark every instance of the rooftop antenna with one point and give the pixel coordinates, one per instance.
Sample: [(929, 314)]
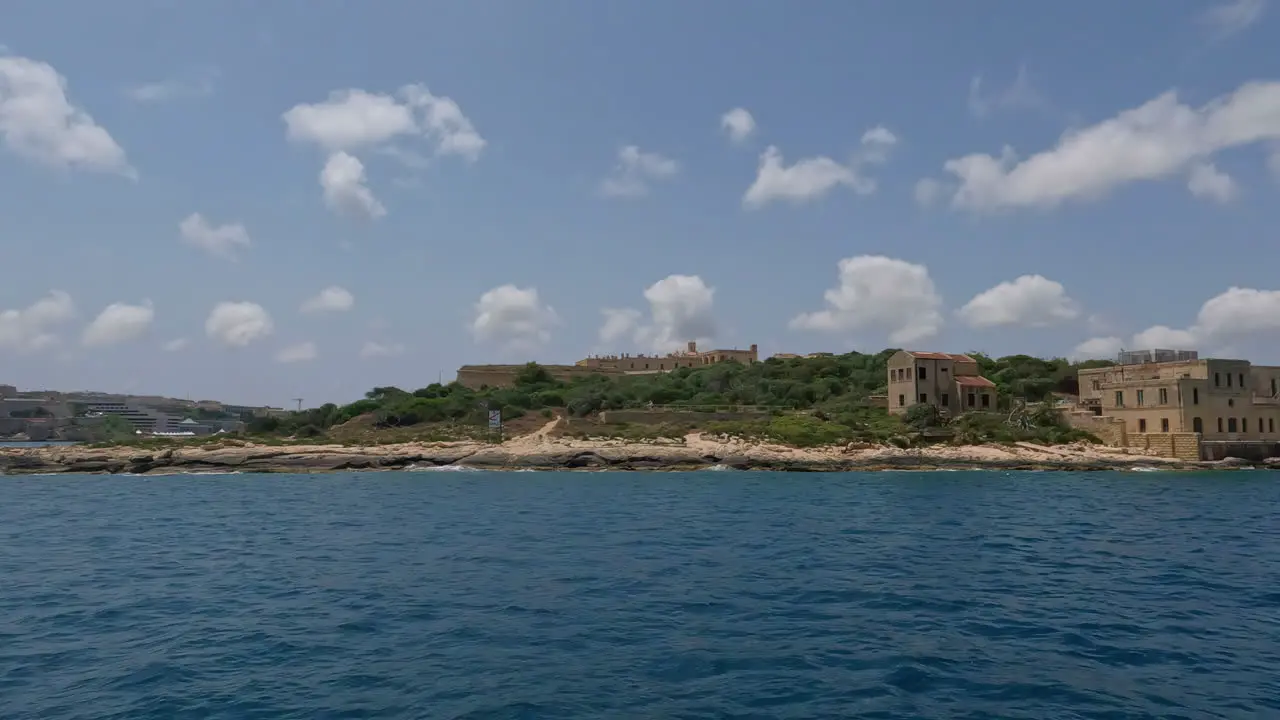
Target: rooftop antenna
[(299, 401)]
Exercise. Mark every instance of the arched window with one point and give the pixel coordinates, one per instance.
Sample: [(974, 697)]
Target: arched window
[(1196, 425)]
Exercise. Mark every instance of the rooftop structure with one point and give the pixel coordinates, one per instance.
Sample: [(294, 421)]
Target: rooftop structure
[(1142, 357)]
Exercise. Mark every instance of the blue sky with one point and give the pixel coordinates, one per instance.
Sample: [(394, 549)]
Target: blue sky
[(578, 150)]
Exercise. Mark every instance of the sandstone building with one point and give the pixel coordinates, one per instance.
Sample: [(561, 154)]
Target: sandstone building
[(951, 382), (1219, 399)]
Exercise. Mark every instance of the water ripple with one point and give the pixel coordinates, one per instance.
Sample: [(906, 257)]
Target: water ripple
[(716, 595)]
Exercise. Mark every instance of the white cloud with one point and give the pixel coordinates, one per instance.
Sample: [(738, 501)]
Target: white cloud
[(879, 293), (1161, 336), (39, 122), (619, 323), (738, 123), (1098, 348), (1238, 315), (1028, 301), (1019, 95), (237, 324), (175, 345), (681, 309), (812, 178), (514, 316), (330, 299), (1154, 141), (302, 352), (373, 349), (224, 241), (635, 170), (345, 191), (119, 323), (1208, 182), (32, 328), (353, 119), (1233, 16), (196, 85)]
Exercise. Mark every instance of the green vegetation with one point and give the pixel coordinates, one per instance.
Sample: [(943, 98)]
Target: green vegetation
[(810, 402)]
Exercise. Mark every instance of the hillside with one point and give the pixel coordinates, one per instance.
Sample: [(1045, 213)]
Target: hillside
[(805, 401)]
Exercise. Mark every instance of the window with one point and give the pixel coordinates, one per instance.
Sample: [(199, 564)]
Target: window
[(1195, 396), (946, 400), (1164, 396), (921, 373), (1273, 386), (1231, 402), (1197, 425), (1271, 425), (1164, 424), (1228, 379), (972, 399), (986, 400), (924, 397), (1142, 425), (942, 369), (1097, 385), (1119, 398), (1244, 424), (662, 366), (902, 400), (1219, 424), (1242, 380), (1231, 425), (1217, 379), (1141, 397), (646, 366)]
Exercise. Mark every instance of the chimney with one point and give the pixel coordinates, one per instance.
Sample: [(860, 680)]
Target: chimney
[(693, 346)]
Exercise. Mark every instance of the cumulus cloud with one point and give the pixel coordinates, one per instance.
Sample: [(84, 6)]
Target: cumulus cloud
[(373, 349), (39, 122), (681, 309), (635, 170), (345, 191), (330, 299), (1154, 141), (302, 352), (354, 119), (119, 323), (812, 178), (1238, 315), (237, 324), (1208, 182), (878, 293), (1028, 301), (1098, 348), (32, 328), (738, 123), (224, 241), (175, 345), (1232, 16), (513, 316)]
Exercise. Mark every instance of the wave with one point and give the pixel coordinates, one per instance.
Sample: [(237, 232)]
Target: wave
[(441, 468)]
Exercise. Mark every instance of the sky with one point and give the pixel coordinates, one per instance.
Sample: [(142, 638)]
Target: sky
[(256, 202)]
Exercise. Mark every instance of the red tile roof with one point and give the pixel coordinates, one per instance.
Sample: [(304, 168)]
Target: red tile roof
[(940, 356), (973, 381)]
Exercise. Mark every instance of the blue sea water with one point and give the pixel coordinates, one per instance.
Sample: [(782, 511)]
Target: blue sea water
[(598, 595)]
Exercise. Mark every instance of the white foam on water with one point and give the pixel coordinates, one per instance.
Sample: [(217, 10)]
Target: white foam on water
[(440, 468)]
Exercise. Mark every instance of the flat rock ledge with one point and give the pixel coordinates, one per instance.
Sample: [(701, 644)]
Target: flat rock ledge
[(317, 459)]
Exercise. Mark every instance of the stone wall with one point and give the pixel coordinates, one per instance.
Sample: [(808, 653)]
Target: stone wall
[(1109, 430), (1183, 446), (1253, 451)]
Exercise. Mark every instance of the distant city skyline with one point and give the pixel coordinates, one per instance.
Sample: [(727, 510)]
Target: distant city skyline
[(255, 204)]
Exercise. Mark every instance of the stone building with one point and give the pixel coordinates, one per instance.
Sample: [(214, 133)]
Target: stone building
[(1221, 400), (951, 382)]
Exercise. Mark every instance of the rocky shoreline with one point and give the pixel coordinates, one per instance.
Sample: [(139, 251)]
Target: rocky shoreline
[(549, 453)]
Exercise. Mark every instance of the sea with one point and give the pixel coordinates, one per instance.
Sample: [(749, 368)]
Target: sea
[(666, 595)]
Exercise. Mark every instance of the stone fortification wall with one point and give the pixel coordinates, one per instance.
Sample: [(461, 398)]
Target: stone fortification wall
[(1183, 446)]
